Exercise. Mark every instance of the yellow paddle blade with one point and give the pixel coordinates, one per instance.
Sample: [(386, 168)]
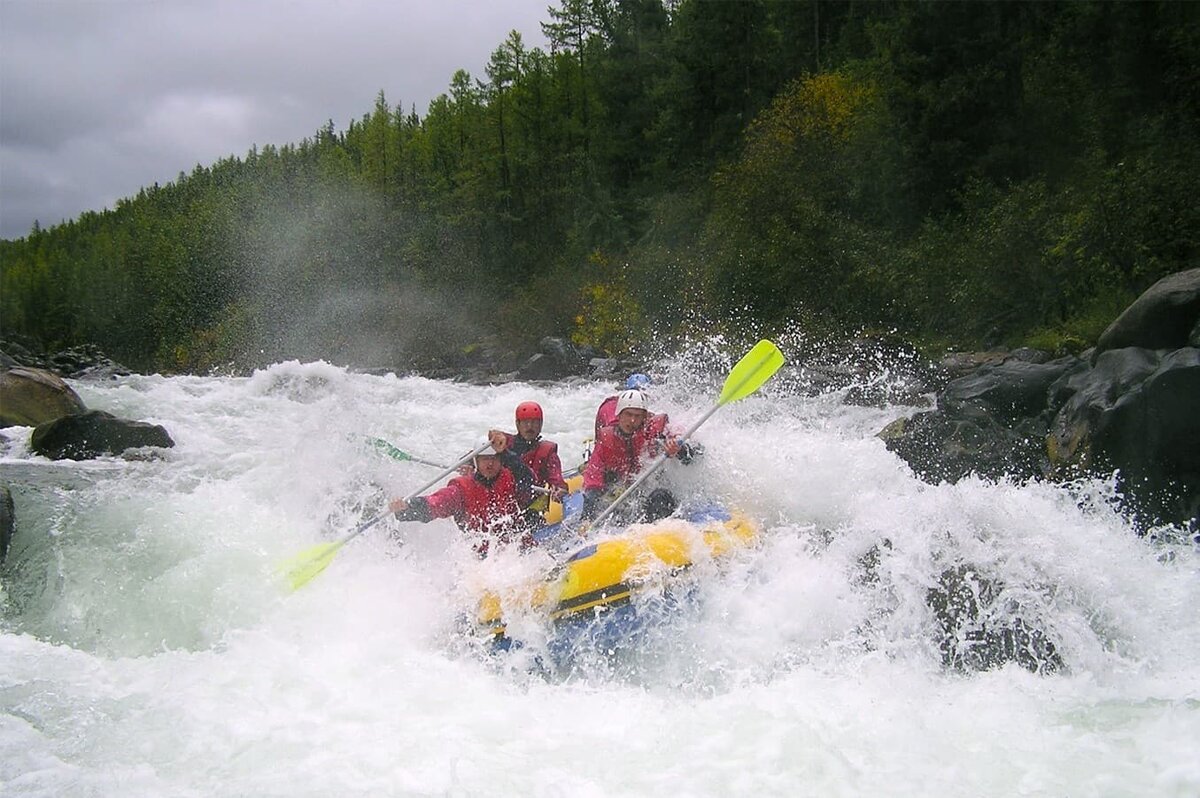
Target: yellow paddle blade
[(751, 372), (302, 568)]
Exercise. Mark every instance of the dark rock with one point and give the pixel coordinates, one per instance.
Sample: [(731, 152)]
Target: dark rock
[(30, 396), (85, 361), (1164, 317), (983, 625), (94, 433), (603, 366), (1013, 389), (1136, 412), (7, 520), (557, 359), (946, 447), (1087, 397), (962, 364), (540, 367), (1027, 354)]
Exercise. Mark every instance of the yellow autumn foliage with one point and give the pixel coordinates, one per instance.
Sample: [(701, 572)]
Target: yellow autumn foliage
[(610, 318)]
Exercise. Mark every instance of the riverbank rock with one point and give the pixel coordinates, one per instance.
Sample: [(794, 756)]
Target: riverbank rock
[(94, 433), (30, 396), (1137, 411), (1123, 408), (992, 423), (1166, 316), (85, 361)]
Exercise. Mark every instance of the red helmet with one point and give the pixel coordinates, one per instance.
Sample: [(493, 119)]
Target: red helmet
[(528, 410)]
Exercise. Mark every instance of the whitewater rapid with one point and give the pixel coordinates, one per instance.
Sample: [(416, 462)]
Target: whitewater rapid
[(147, 648)]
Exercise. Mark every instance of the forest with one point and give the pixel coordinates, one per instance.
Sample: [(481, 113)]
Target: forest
[(957, 174)]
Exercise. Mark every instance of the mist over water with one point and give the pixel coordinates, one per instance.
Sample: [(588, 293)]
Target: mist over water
[(147, 649)]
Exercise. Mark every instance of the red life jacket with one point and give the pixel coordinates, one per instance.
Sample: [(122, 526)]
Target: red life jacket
[(617, 458), (542, 459), (606, 414), (479, 508)]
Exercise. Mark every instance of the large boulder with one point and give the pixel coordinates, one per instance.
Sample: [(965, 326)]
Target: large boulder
[(94, 433), (1136, 412), (991, 423), (983, 624), (1164, 317), (1013, 389), (30, 396), (943, 446), (557, 359)]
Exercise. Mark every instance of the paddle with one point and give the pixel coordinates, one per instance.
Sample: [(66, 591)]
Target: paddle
[(302, 568), (398, 454), (755, 368)]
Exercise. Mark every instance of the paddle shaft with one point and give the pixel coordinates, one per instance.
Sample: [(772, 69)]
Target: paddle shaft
[(752, 369), (654, 466)]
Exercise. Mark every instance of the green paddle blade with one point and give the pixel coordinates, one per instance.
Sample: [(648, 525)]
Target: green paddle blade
[(388, 449), (301, 569), (751, 372)]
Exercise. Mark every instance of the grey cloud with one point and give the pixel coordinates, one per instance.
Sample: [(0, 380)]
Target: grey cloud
[(100, 98)]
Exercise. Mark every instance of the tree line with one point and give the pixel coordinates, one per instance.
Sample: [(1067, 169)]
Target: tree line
[(962, 173)]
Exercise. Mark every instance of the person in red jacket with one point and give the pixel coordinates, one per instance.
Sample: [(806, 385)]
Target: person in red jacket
[(488, 505), (540, 455), (606, 413), (620, 453)]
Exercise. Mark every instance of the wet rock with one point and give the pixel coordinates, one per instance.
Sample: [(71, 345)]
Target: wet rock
[(30, 396), (1128, 409), (1164, 317), (982, 625), (1136, 412), (7, 520), (1013, 389), (86, 362), (557, 359), (94, 433), (944, 447)]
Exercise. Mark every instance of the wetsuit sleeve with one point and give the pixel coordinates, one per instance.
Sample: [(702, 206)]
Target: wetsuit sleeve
[(445, 502), (593, 472), (522, 476), (417, 510)]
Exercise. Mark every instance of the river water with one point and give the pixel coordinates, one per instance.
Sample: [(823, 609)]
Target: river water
[(147, 648)]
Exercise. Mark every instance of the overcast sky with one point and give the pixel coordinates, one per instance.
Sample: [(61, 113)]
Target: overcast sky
[(101, 97)]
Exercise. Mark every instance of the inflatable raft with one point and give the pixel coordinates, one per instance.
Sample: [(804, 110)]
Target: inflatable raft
[(601, 581)]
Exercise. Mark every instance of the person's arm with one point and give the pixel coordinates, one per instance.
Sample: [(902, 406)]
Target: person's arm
[(682, 451), (442, 503), (415, 510)]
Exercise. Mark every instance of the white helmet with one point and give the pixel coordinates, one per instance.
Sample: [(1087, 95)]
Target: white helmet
[(631, 400)]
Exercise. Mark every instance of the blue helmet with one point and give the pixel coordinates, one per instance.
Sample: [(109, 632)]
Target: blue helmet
[(636, 382)]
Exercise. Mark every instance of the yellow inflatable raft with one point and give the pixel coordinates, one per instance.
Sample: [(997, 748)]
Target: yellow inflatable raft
[(609, 572)]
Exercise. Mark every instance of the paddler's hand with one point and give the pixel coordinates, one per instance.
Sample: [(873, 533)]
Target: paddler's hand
[(672, 447), (397, 505), (498, 440), (556, 494)]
